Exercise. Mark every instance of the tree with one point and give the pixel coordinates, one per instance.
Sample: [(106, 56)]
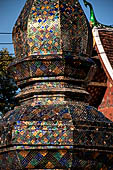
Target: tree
[(8, 88)]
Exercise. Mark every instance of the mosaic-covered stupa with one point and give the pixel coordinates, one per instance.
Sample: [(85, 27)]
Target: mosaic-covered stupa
[(54, 127)]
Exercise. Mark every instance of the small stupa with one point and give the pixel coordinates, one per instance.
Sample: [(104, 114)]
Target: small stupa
[(53, 127)]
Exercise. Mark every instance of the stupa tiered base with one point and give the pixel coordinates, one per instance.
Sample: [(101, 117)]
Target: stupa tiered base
[(65, 135)]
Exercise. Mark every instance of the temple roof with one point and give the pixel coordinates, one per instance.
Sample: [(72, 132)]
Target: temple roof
[(103, 46), (104, 40)]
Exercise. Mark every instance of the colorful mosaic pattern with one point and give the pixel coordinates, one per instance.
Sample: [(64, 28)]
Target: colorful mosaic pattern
[(53, 127), (58, 67), (60, 125), (9, 161), (51, 27), (44, 35), (92, 160), (56, 160), (20, 31), (74, 36), (46, 159), (46, 110), (42, 133)]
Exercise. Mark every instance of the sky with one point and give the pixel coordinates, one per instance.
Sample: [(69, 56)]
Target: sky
[(10, 10)]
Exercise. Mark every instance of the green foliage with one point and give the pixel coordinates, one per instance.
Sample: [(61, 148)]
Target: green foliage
[(8, 87)]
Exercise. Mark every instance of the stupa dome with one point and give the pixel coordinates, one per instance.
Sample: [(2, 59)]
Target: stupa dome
[(51, 28)]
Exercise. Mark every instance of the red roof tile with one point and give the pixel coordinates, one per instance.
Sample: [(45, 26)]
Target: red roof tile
[(107, 103)]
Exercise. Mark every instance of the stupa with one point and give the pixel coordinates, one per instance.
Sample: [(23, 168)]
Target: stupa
[(54, 127)]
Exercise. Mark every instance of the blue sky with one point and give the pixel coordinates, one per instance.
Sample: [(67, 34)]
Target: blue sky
[(10, 10)]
